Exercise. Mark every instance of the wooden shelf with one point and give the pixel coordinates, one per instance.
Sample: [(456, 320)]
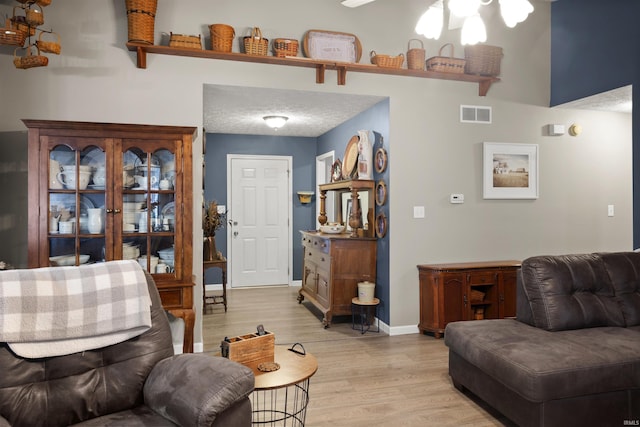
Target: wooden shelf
[(484, 83)]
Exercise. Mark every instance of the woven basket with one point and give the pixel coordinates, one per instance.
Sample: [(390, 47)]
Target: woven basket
[(221, 37), (19, 22), (285, 47), (43, 3), (141, 18), (445, 64), (34, 16), (182, 40), (476, 296), (386, 61), (255, 44), (415, 56), (29, 60), (49, 46), (12, 36), (483, 60)]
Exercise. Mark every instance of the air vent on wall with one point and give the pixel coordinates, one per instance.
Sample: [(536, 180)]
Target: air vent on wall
[(475, 114)]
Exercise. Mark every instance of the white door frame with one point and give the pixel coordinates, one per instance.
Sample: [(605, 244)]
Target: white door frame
[(289, 196)]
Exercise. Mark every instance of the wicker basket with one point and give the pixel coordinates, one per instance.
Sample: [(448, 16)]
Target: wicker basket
[(285, 47), (49, 46), (386, 61), (141, 18), (415, 56), (43, 3), (483, 60), (446, 64), (476, 296), (19, 22), (221, 37), (255, 44), (29, 60), (182, 40), (34, 16), (9, 35)]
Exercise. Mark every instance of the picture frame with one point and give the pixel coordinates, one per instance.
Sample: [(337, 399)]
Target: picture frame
[(381, 225), (381, 193), (346, 203), (380, 160), (510, 171)]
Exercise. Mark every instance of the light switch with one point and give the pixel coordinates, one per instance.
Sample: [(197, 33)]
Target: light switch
[(418, 211), (222, 209), (610, 210)]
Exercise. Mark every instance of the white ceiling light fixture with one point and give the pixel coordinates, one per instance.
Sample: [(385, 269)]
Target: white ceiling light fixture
[(430, 23), (275, 122), (355, 3), (473, 29)]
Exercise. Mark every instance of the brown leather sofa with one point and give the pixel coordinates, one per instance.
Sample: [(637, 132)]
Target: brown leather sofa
[(572, 356), (138, 382)]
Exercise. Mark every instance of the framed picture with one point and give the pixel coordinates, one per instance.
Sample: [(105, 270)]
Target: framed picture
[(381, 225), (381, 160), (363, 197), (510, 171), (381, 193)]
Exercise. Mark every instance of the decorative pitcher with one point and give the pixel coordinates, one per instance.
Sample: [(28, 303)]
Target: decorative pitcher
[(95, 222), (365, 155)]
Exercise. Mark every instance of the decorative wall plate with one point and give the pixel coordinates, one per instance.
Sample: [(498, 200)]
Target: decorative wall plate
[(350, 161), (381, 225), (336, 171), (381, 160), (381, 193)]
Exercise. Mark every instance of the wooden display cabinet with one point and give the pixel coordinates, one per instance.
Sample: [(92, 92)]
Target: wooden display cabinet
[(333, 266), (466, 291), (126, 191), (354, 187)]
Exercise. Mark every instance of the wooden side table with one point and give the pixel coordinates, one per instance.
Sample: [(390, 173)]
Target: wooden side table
[(366, 312), (281, 397), (215, 299)]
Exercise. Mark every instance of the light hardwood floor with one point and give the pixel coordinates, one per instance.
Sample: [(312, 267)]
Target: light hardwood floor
[(362, 380)]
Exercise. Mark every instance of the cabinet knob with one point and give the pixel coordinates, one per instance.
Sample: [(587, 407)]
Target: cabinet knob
[(109, 211), (116, 211)]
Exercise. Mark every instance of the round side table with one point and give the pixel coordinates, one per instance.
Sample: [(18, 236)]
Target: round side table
[(280, 398), (366, 313)]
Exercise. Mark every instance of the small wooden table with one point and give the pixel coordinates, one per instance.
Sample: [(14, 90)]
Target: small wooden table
[(289, 407), (366, 311), (215, 299)]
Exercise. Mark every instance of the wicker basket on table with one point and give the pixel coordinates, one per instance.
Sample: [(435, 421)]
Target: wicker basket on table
[(483, 60), (255, 44), (221, 37), (285, 47), (387, 61), (11, 35), (182, 40), (29, 60), (141, 18), (446, 64), (49, 46)]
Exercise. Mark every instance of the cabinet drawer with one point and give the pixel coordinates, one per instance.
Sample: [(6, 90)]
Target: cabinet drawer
[(318, 243), (482, 278), (321, 259), (171, 298)]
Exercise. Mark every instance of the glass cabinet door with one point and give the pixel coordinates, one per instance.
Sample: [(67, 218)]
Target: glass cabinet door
[(148, 207)]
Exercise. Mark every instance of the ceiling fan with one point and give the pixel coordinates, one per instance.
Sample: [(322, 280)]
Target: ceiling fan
[(356, 3)]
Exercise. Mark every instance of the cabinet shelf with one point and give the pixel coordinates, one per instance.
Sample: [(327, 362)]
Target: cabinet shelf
[(484, 82)]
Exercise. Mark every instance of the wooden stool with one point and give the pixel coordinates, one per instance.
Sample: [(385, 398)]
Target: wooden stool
[(215, 299), (366, 311)]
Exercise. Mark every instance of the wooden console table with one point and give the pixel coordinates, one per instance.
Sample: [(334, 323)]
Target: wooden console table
[(466, 291), (216, 299)]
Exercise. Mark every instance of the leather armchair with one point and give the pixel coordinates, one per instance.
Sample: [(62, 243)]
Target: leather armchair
[(138, 382)]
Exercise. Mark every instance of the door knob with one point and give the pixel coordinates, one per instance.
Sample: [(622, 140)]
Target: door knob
[(235, 233)]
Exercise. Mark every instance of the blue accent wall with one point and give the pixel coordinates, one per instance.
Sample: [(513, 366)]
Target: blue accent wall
[(303, 152), (375, 119), (595, 47)]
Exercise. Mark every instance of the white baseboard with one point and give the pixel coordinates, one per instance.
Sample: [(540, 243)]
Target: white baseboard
[(198, 347), (404, 330)]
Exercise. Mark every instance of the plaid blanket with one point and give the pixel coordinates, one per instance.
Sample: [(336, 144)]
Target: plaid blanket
[(62, 310)]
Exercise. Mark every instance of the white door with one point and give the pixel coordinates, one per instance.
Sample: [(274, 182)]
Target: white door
[(259, 227)]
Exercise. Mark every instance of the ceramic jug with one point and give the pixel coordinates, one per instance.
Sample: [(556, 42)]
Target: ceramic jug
[(95, 221)]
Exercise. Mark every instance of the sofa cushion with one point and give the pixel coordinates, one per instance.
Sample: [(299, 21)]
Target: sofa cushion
[(624, 271), (540, 365), (570, 292)]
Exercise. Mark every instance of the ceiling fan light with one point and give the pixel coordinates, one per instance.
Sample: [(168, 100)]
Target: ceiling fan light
[(473, 30), (275, 122), (464, 8), (430, 23), (355, 3), (515, 11)]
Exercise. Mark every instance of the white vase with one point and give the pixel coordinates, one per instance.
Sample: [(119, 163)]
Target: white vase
[(365, 155), (95, 222)]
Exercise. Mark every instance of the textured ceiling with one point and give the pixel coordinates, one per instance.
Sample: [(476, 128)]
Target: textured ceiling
[(618, 100), (239, 110)]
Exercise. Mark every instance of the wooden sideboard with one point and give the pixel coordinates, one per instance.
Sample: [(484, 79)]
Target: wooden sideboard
[(333, 266), (466, 291)]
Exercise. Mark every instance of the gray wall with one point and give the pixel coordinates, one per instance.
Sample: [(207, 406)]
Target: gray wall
[(95, 79)]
